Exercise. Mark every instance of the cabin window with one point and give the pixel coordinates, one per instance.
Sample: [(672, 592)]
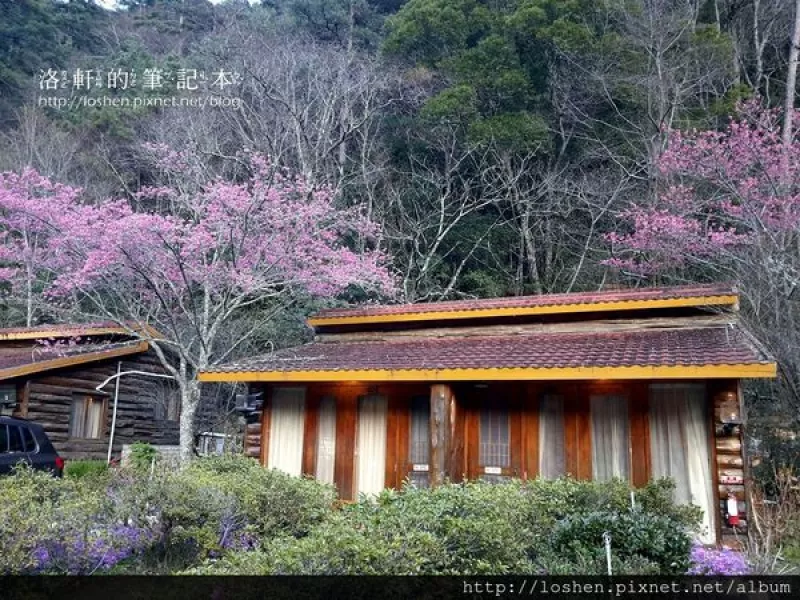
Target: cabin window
[(371, 444), (326, 440), (8, 395), (552, 455), (87, 417), (287, 420), (679, 445), (610, 437), (495, 447), (166, 403), (419, 445)]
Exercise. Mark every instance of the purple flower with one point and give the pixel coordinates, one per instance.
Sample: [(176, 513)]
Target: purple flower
[(711, 561)]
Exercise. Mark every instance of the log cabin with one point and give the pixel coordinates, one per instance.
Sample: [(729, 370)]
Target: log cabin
[(50, 373), (637, 385)]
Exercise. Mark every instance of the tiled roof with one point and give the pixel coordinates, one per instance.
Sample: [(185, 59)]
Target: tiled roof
[(60, 330), (583, 298), (28, 359), (722, 345)]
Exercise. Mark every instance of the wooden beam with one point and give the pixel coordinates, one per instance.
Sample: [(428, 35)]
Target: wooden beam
[(638, 408), (442, 431), (753, 370), (266, 418), (344, 462), (310, 431)]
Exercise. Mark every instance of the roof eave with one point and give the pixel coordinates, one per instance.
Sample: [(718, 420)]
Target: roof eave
[(70, 361), (719, 371)]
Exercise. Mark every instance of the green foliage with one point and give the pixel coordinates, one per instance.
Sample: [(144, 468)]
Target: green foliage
[(650, 539), (427, 31), (478, 528), (143, 456), (85, 468), (512, 131)]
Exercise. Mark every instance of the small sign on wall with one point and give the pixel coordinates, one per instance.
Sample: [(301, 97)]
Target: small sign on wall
[(420, 468), (493, 470)]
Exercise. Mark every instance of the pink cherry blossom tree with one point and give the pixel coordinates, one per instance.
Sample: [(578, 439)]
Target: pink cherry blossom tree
[(31, 207), (728, 208), (194, 254)]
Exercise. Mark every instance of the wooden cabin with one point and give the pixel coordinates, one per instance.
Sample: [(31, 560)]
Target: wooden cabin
[(49, 374), (635, 384)]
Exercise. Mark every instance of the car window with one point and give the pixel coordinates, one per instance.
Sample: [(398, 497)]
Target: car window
[(3, 439), (28, 440), (14, 439)]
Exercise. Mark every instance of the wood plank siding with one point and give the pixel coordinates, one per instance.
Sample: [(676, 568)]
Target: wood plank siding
[(47, 398)]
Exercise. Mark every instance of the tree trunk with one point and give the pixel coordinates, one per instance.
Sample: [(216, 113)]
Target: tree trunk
[(791, 78), (190, 398)]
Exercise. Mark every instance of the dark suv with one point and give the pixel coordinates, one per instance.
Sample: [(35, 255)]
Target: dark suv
[(24, 441)]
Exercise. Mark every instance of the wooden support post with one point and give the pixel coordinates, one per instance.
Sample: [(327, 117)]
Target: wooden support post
[(442, 432)]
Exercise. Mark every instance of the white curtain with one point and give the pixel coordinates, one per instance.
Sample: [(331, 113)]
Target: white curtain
[(77, 417), (679, 446), (610, 437), (326, 440), (371, 444), (287, 420), (94, 418), (552, 459)]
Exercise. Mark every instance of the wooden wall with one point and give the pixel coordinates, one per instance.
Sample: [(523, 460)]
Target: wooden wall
[(728, 458), (46, 398), (461, 458)]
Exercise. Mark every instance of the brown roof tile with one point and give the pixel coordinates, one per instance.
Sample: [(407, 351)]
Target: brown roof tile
[(659, 347), (12, 359), (630, 295)]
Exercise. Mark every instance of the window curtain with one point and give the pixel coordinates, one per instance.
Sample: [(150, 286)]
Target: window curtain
[(287, 418), (371, 444), (552, 458), (679, 446), (326, 440), (94, 418), (610, 437), (77, 417)]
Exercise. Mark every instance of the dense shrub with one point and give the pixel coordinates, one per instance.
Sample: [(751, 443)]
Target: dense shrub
[(51, 525), (85, 468), (229, 515), (165, 521), (478, 528)]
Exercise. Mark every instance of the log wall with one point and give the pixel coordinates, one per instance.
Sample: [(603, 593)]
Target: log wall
[(47, 399)]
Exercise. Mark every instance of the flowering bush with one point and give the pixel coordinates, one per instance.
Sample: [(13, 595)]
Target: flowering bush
[(711, 561), (130, 521)]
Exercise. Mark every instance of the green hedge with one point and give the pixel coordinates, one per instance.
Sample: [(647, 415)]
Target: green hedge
[(477, 528), (228, 515)]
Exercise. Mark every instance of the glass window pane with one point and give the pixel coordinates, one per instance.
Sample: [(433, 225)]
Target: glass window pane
[(28, 441), (15, 439), (420, 430), (3, 438), (494, 442)]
